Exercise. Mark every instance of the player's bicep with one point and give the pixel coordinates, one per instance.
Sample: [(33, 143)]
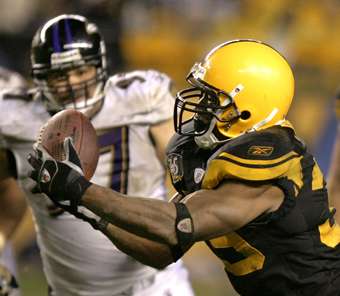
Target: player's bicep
[(229, 207)]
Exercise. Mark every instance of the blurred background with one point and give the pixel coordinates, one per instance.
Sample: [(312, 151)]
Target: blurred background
[(170, 35)]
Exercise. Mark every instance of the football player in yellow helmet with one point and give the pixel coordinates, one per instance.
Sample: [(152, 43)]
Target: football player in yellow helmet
[(241, 86), (247, 186)]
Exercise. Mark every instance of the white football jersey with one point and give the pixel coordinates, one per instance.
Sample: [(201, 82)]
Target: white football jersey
[(77, 259)]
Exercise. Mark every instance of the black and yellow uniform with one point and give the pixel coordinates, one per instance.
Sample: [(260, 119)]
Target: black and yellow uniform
[(292, 251)]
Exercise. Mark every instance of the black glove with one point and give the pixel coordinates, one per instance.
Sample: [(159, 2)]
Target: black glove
[(8, 283), (62, 181)]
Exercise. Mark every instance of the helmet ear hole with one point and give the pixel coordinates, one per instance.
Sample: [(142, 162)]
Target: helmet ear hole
[(245, 115)]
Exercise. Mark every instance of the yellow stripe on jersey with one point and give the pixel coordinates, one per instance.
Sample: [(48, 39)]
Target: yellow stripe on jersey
[(318, 181), (330, 235), (253, 259), (295, 173), (258, 162), (230, 166)]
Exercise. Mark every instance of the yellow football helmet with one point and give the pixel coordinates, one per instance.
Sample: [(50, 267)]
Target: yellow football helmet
[(241, 86)]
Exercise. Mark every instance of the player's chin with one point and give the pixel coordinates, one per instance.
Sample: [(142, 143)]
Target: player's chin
[(82, 100), (74, 103)]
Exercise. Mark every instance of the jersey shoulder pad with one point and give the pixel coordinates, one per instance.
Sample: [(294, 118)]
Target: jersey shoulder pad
[(11, 79), (178, 142), (143, 78), (141, 97), (20, 117), (186, 163), (256, 156)]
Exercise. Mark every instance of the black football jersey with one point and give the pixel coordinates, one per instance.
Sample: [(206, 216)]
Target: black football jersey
[(186, 163), (292, 251)]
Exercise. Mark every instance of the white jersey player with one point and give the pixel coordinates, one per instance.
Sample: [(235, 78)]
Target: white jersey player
[(131, 113)]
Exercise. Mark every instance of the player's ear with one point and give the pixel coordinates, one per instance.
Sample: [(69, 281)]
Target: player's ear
[(70, 152)]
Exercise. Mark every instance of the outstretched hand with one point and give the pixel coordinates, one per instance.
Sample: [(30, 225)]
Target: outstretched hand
[(62, 181)]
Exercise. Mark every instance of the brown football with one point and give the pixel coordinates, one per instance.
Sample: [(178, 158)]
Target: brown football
[(74, 124)]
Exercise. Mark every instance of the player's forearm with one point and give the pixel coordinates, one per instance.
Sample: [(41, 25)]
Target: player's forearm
[(152, 219), (147, 252)]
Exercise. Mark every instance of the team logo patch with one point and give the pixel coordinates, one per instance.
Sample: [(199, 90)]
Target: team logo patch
[(175, 166), (261, 150), (198, 175), (185, 225), (45, 176)]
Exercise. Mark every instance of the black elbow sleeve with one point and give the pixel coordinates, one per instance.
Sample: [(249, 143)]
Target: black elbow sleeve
[(184, 231)]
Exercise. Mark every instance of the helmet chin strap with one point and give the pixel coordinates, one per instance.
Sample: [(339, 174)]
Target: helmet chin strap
[(208, 140)]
